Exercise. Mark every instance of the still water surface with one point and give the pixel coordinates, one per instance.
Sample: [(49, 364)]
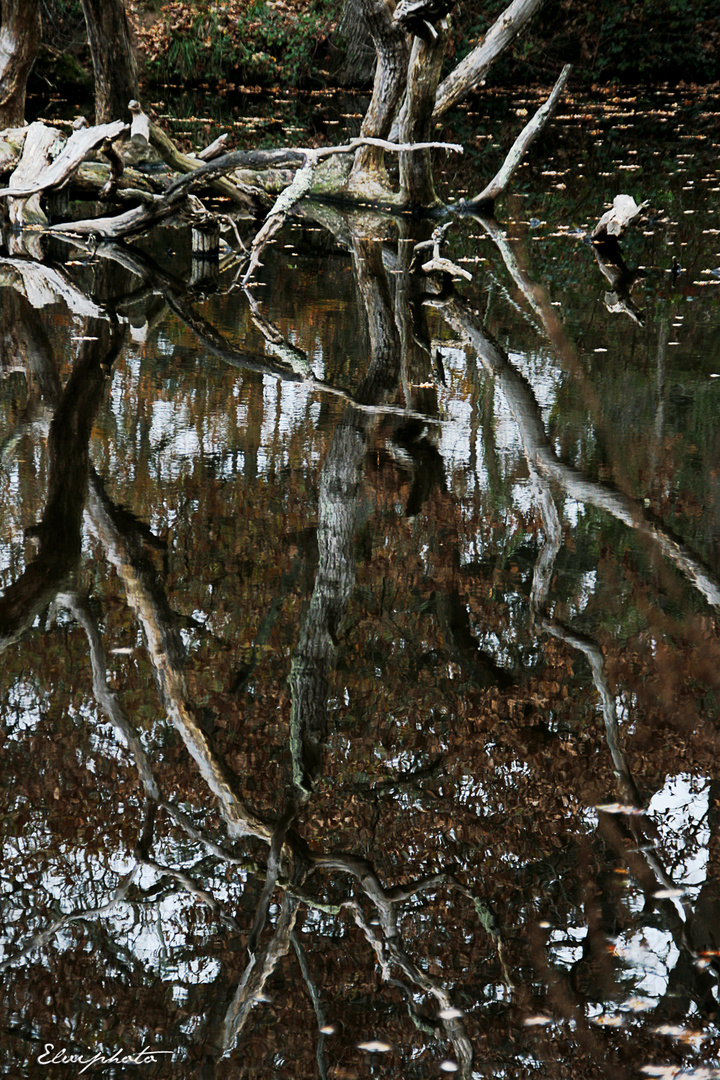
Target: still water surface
[(360, 645)]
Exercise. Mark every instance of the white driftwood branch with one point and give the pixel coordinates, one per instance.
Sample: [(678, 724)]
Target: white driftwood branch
[(437, 262), (214, 149), (76, 149), (499, 183), (444, 266)]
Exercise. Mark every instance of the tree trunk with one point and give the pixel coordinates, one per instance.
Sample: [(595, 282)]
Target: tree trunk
[(392, 46), (19, 41), (416, 179), (113, 56)]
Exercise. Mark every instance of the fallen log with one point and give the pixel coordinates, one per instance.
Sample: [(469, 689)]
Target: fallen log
[(54, 175), (183, 164), (176, 199), (133, 222)]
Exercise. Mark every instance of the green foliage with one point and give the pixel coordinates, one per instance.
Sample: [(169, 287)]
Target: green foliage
[(248, 43)]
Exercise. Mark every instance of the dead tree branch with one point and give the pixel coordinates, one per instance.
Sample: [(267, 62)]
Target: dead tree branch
[(500, 182)]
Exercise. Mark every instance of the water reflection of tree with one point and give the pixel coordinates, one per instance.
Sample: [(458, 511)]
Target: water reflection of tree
[(403, 918), (694, 979)]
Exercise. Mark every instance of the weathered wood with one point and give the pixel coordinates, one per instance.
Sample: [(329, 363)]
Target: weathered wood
[(22, 209), (615, 222), (140, 124), (93, 176), (184, 164), (19, 41), (76, 149), (392, 47), (12, 141), (500, 182), (438, 264), (275, 219), (214, 149), (117, 167), (130, 223), (205, 246), (468, 75), (177, 197), (302, 184), (416, 174)]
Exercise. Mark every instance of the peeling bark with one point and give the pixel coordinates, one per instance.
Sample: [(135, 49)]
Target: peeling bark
[(19, 41), (416, 178), (393, 50)]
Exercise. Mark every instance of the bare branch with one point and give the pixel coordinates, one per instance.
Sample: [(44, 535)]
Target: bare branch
[(500, 182), (468, 75)]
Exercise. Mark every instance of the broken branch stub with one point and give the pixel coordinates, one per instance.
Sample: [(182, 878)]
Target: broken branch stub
[(615, 222)]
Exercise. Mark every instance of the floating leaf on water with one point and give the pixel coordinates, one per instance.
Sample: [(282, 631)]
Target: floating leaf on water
[(638, 1005), (690, 1038), (609, 1021), (618, 808)]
